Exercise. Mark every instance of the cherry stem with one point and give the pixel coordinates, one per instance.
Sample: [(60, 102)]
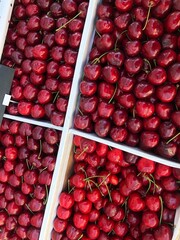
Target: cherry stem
[(43, 169), (125, 209), (84, 172), (29, 208), (149, 186), (68, 185), (71, 189), (154, 61), (160, 219), (22, 179), (115, 90), (110, 147), (134, 112), (74, 149), (98, 58), (40, 149), (95, 185), (98, 33), (27, 163), (148, 15), (147, 61), (56, 96), (84, 150), (115, 46), (47, 195), (80, 237), (97, 176), (65, 24), (80, 111), (170, 140), (104, 179), (109, 193)]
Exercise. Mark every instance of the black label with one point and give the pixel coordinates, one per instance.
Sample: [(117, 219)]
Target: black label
[(6, 77)]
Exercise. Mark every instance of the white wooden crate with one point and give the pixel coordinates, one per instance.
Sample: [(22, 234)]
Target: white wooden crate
[(64, 160)]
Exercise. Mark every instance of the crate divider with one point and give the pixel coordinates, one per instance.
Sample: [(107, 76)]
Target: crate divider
[(33, 121), (123, 147)]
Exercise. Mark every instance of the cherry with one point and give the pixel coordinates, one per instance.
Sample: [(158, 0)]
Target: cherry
[(163, 232), (92, 72), (167, 150), (135, 30), (132, 48), (133, 65), (105, 43), (173, 73), (88, 104), (144, 109), (105, 224), (104, 11), (123, 6), (102, 127), (122, 21), (121, 229), (172, 23), (139, 13), (166, 57), (154, 28), (110, 74), (115, 58), (40, 52), (106, 90), (104, 26), (157, 76), (63, 213), (175, 118), (135, 203), (151, 49), (149, 139), (150, 219), (167, 130), (59, 225)]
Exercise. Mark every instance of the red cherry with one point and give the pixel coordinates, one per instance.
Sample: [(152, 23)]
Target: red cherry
[(144, 109), (135, 202), (150, 219), (145, 165)]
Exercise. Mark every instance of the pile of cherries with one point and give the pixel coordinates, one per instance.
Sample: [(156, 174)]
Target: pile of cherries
[(42, 45), (115, 195), (130, 88), (27, 160)]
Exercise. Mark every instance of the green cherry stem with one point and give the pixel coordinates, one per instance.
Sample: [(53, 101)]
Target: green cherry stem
[(80, 237), (84, 150), (148, 15), (47, 195), (40, 149), (27, 163), (96, 60), (170, 140), (29, 208), (80, 111), (115, 46), (147, 61), (160, 219), (115, 90), (98, 33), (64, 25), (56, 96)]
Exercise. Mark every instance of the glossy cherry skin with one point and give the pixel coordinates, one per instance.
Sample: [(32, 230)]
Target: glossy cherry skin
[(154, 28), (151, 49)]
